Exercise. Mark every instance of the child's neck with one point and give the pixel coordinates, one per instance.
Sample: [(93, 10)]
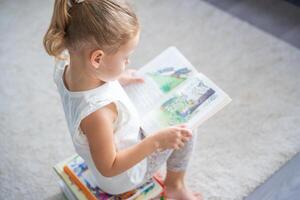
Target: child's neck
[(79, 77)]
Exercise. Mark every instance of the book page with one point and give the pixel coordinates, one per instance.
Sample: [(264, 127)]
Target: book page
[(162, 75), (194, 102)]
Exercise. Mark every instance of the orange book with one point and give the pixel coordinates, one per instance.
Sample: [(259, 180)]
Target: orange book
[(158, 178), (81, 186)]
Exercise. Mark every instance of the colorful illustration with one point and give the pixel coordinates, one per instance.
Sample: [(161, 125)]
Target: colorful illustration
[(184, 104), (168, 78), (81, 170), (79, 167)]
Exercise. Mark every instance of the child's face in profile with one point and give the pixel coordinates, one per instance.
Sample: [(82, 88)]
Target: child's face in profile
[(114, 65)]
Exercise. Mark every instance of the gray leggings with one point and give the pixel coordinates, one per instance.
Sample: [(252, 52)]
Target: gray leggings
[(177, 160)]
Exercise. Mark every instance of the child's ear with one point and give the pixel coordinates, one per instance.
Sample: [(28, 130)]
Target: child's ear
[(97, 58)]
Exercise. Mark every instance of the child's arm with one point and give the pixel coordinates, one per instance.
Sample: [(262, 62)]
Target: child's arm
[(98, 128)]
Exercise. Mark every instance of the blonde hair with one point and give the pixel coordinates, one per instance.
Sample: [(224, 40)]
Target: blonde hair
[(105, 24)]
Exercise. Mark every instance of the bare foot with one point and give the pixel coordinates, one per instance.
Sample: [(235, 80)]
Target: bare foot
[(182, 193)]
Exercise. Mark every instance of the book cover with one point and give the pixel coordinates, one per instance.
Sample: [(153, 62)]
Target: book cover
[(174, 92), (77, 178), (73, 188), (66, 190)]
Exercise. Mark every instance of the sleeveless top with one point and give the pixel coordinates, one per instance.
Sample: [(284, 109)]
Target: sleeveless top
[(78, 105)]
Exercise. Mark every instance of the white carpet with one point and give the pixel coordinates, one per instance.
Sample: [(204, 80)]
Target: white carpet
[(237, 150)]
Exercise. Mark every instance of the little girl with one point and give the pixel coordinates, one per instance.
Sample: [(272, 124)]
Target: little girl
[(92, 41)]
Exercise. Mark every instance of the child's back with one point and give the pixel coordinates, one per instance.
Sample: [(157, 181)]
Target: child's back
[(78, 105), (99, 36)]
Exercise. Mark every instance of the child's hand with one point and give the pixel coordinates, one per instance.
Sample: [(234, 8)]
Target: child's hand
[(129, 77), (173, 137)]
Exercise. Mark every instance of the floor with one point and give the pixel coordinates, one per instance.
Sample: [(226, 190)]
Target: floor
[(281, 19), (283, 185), (260, 128)]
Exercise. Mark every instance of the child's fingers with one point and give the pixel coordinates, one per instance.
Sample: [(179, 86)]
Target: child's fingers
[(184, 126), (185, 139), (186, 132), (136, 80), (180, 145), (139, 79)]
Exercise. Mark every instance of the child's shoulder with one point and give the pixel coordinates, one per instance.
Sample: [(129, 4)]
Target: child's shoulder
[(102, 117), (108, 111)]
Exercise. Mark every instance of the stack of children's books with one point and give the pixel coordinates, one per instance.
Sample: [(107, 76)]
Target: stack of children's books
[(77, 183)]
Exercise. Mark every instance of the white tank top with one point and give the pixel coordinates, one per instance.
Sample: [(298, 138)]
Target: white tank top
[(78, 105)]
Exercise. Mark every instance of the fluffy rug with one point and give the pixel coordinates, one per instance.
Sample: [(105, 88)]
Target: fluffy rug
[(237, 150)]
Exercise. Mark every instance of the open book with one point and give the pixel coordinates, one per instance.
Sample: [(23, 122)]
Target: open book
[(174, 92)]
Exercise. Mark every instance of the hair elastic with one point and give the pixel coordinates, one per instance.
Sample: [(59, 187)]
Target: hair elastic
[(76, 1)]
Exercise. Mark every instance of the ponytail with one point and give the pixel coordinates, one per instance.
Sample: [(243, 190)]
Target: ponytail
[(54, 39), (78, 25)]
